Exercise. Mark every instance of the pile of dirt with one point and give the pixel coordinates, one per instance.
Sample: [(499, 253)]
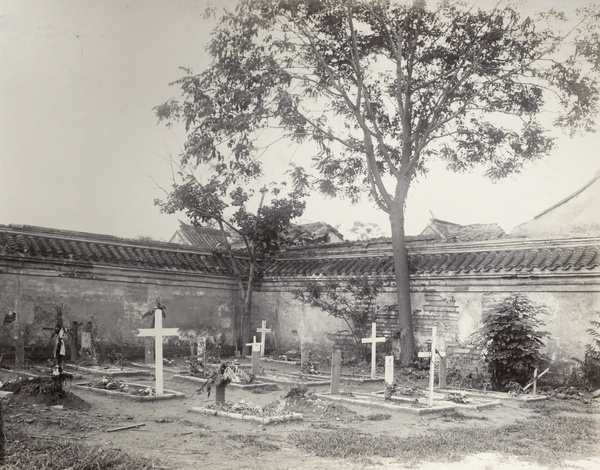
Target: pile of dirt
[(310, 405), (242, 407), (43, 391)]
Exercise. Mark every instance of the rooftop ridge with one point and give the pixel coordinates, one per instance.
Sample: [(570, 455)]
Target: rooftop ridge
[(88, 237), (490, 256), (568, 198)]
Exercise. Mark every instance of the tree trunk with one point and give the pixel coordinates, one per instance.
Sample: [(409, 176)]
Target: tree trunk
[(407, 337), (2, 437), (247, 308), (246, 324)]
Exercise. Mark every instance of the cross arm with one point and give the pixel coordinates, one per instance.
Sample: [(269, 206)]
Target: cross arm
[(154, 332), (370, 340)]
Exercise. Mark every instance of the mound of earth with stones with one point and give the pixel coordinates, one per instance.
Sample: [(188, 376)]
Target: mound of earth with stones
[(42, 391), (310, 406)]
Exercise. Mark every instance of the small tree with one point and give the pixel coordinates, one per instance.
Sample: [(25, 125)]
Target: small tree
[(354, 302), (225, 202), (512, 342)]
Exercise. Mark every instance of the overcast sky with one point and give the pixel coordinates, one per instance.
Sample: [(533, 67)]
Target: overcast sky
[(80, 148)]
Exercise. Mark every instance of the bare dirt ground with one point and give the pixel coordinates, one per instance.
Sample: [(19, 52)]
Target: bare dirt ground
[(184, 439)]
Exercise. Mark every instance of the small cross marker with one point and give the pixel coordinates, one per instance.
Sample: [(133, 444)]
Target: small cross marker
[(158, 332), (373, 339), (255, 355), (263, 330)]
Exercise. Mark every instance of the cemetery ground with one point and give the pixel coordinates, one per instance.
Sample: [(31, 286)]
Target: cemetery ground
[(85, 430)]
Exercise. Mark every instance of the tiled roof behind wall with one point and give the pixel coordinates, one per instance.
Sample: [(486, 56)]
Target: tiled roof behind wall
[(200, 237), (486, 259), (343, 260), (64, 246)]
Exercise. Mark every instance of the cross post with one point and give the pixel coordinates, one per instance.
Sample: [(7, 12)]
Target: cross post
[(534, 382), (263, 330), (255, 355), (158, 332), (373, 339), (431, 356)]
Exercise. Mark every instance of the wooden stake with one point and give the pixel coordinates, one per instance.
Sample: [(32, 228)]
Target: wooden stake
[(432, 365), (336, 366), (127, 427)]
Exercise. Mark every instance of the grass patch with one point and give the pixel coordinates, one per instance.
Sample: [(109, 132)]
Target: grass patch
[(252, 440), (265, 389), (458, 416), (378, 417), (25, 451), (552, 407), (547, 440), (324, 425)]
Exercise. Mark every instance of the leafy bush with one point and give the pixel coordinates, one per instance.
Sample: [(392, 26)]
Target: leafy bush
[(354, 302), (593, 349), (511, 341), (590, 366)]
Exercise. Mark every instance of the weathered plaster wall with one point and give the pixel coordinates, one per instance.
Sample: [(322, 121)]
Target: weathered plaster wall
[(455, 305), (293, 321), (116, 300)]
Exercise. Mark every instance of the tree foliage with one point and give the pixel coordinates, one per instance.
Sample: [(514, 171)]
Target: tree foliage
[(380, 88), (354, 302), (593, 348), (223, 201), (512, 341), (366, 230)]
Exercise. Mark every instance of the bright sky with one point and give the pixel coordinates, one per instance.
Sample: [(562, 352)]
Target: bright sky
[(80, 148)]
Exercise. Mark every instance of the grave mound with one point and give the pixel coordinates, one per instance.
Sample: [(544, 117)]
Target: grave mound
[(312, 406), (42, 391)]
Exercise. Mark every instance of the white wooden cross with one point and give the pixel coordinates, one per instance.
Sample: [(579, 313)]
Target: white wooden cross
[(373, 339), (431, 356), (263, 330), (158, 332), (255, 355), (254, 344)]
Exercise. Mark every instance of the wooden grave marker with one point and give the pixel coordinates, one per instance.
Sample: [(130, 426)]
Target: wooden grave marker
[(431, 356), (158, 332), (263, 330), (255, 355), (389, 370), (336, 367), (534, 381), (373, 339), (74, 332)]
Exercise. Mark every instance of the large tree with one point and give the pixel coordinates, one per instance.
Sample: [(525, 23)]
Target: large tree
[(382, 87)]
